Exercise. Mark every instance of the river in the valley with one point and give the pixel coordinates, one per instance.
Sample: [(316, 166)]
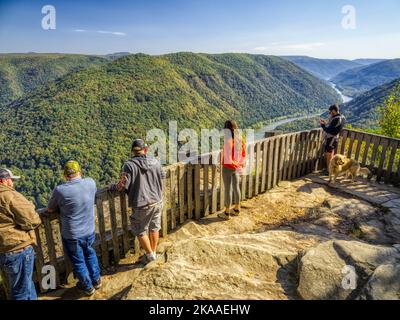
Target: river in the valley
[(260, 133)]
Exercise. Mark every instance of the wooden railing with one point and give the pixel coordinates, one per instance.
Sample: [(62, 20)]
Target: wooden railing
[(193, 191), (380, 154)]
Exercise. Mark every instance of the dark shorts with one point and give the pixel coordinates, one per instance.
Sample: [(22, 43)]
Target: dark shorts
[(331, 145)]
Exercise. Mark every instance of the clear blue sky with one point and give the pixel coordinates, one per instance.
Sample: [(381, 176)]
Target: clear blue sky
[(285, 27)]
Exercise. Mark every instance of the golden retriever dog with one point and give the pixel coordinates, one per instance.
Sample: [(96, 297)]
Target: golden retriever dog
[(335, 167), (340, 164), (353, 169)]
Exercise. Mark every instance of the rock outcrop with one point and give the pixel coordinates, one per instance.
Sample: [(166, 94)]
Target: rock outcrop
[(247, 266), (349, 270)]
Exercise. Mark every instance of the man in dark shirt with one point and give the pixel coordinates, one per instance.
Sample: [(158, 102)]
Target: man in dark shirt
[(332, 130)]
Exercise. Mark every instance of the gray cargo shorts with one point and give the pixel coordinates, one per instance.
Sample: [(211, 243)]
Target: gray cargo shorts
[(146, 219)]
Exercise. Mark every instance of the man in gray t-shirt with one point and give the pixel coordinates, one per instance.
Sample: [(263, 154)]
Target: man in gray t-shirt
[(74, 200)]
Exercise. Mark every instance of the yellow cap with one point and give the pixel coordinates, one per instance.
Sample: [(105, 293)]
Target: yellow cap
[(71, 168)]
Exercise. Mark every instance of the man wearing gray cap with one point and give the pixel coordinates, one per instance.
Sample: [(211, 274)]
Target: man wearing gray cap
[(142, 180), (18, 220)]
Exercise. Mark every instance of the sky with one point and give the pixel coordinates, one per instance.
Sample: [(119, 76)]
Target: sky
[(346, 29)]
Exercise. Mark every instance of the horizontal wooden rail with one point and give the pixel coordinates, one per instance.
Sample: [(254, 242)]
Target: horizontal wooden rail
[(378, 153)]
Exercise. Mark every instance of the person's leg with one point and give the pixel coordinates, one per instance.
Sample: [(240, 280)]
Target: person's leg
[(140, 221), (144, 241), (29, 265), (328, 156), (154, 237), (227, 175), (236, 191), (19, 268), (76, 255), (92, 263), (155, 226)]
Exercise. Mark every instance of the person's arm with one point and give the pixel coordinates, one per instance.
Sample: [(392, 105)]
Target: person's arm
[(333, 127), (124, 181), (25, 215), (162, 172), (53, 206)]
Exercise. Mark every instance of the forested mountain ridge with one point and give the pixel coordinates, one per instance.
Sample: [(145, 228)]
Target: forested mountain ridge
[(362, 112), (323, 68), (356, 81), (22, 73), (92, 115)]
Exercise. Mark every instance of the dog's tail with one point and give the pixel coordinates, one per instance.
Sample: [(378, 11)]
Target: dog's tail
[(365, 172)]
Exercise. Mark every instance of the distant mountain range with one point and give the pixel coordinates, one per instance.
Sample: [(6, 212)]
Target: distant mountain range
[(93, 114), (322, 68), (362, 111), (367, 62), (358, 80)]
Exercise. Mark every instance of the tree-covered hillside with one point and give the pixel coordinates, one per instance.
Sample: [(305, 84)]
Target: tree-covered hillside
[(92, 115), (356, 81), (22, 73), (362, 112)]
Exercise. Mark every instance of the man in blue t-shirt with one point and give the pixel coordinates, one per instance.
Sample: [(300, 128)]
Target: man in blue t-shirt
[(74, 200)]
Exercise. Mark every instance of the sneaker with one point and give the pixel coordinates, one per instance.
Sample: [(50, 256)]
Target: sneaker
[(235, 213), (97, 284), (224, 216), (88, 292), (146, 259)]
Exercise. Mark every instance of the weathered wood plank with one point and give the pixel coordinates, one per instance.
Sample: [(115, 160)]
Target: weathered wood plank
[(385, 145), (394, 147), (320, 162), (292, 153), (206, 193), (197, 204), (258, 169), (275, 172), (124, 222), (214, 190), (221, 189), (181, 193), (172, 197), (114, 227), (51, 247), (286, 158), (281, 160), (300, 154), (367, 139), (376, 142), (343, 142), (264, 166), (360, 138), (102, 232), (251, 173), (270, 163), (39, 261), (303, 167), (190, 200), (351, 144)]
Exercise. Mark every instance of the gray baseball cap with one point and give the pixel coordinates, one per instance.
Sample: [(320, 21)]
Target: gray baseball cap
[(7, 174)]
